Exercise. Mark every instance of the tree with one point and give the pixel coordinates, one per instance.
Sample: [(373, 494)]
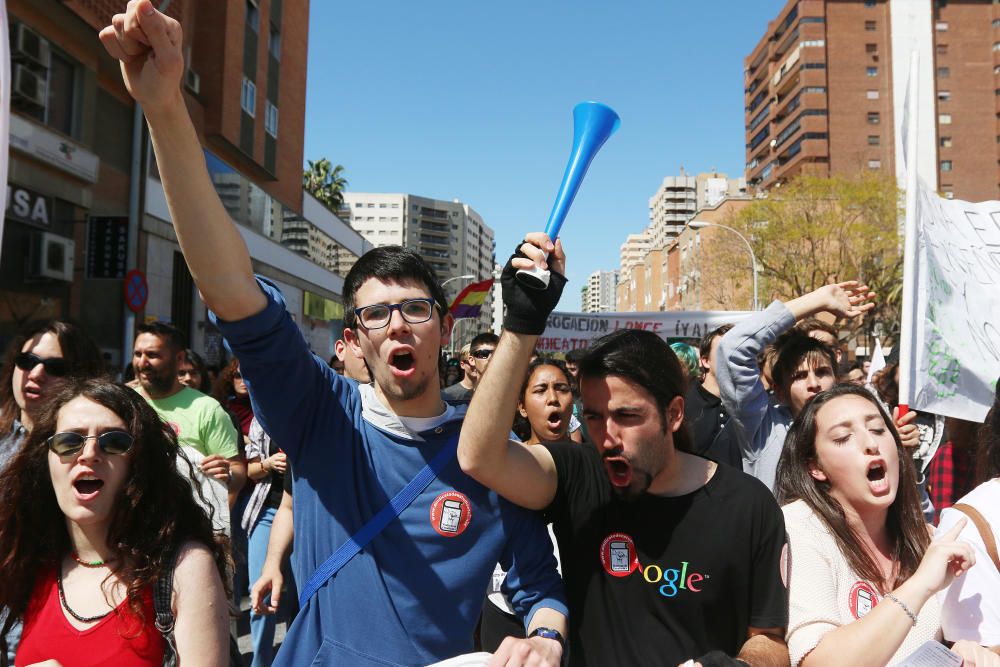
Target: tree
[(813, 231), (325, 182)]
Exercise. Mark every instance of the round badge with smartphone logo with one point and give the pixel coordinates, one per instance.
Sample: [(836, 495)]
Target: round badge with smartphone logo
[(451, 513), (618, 555), (862, 599)]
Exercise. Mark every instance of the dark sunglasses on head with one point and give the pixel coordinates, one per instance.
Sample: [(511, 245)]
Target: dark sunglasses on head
[(68, 443), (53, 365), (482, 353)]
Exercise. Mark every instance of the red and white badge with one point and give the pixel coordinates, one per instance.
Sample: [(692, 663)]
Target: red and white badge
[(862, 599), (451, 513), (618, 555)]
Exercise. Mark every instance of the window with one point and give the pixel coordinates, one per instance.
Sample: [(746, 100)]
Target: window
[(274, 43), (248, 97), (873, 140), (945, 142), (869, 3), (872, 71), (870, 26), (945, 165), (371, 205), (943, 72), (944, 95), (873, 118), (996, 46), (996, 23), (942, 49), (271, 119), (871, 48), (874, 164), (872, 94), (941, 26), (253, 16), (944, 119), (61, 105)]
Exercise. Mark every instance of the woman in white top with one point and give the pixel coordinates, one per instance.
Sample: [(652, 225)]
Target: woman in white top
[(863, 570), (970, 606)]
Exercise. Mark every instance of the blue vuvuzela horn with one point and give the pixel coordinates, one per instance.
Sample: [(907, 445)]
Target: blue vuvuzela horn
[(593, 123)]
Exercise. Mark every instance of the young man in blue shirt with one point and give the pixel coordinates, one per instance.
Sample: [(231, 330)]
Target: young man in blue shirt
[(413, 594)]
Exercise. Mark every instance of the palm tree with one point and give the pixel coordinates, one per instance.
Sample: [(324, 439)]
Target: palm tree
[(325, 182)]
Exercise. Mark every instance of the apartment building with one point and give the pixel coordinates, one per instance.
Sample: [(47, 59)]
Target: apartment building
[(679, 197), (86, 202), (599, 294), (825, 89), (450, 235)]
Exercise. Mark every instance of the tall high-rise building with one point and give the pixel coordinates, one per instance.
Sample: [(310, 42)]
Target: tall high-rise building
[(825, 90), (679, 197), (450, 235), (598, 295)]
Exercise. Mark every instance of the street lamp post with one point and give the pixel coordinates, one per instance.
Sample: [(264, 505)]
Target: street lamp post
[(467, 276), (701, 224)]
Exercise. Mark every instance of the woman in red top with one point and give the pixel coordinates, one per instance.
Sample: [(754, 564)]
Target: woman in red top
[(92, 511)]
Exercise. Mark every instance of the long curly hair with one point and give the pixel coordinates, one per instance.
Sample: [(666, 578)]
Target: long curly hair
[(904, 522), (155, 514), (82, 357)]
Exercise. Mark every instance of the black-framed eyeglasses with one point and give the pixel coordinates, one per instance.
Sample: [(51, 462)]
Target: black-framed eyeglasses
[(69, 443), (55, 366), (378, 315), (482, 353)]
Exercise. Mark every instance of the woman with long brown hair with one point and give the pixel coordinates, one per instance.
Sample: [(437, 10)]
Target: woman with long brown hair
[(92, 514), (37, 359), (863, 569)]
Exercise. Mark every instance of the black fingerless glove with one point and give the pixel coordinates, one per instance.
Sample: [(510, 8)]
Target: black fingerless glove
[(719, 659), (528, 309)]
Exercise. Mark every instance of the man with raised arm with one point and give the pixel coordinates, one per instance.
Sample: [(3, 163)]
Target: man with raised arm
[(413, 594), (668, 557)]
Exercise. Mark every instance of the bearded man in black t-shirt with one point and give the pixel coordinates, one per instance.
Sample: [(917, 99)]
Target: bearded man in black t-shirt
[(667, 556)]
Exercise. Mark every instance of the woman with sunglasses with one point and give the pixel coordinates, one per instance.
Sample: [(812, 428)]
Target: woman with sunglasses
[(41, 355), (92, 513), (863, 568)]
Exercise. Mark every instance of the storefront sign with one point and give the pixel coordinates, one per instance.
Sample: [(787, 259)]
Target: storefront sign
[(107, 247), (53, 149), (25, 205)]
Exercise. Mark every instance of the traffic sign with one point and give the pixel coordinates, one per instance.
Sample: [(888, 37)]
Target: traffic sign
[(136, 290)]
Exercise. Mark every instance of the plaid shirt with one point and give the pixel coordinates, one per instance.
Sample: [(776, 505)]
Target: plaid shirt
[(951, 475)]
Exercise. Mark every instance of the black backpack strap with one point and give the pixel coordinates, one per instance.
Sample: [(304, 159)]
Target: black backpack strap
[(163, 592)]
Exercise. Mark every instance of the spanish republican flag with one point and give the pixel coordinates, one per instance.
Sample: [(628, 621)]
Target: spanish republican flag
[(470, 301)]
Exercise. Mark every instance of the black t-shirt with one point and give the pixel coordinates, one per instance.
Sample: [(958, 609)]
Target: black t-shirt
[(657, 581), (712, 433)]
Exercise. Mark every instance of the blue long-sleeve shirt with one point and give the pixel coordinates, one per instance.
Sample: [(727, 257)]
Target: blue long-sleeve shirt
[(765, 423), (413, 595)]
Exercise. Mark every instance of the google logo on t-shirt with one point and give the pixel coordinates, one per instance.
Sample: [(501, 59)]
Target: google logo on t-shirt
[(674, 580)]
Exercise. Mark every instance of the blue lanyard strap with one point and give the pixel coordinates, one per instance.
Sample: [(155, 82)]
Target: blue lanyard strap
[(377, 523)]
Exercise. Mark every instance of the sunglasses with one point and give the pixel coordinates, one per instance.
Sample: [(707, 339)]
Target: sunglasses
[(54, 366), (482, 353), (68, 444)]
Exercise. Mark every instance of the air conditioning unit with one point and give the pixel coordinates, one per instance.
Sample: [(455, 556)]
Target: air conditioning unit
[(27, 86), (30, 46), (192, 81), (51, 257)]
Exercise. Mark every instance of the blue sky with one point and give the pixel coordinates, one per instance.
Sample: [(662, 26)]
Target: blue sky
[(473, 100)]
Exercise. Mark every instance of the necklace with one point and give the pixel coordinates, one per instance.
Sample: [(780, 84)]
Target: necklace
[(65, 604), (96, 563)]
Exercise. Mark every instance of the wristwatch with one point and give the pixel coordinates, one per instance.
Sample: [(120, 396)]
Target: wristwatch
[(549, 633)]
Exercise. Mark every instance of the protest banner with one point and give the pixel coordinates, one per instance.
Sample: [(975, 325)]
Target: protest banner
[(571, 331)]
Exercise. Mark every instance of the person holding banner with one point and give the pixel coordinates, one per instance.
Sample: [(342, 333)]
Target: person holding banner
[(864, 570), (668, 557)]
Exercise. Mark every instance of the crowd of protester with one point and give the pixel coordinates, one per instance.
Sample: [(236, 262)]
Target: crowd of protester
[(748, 499)]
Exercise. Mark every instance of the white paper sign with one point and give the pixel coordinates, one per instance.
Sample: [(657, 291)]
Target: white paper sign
[(932, 654), (957, 339), (214, 490)]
